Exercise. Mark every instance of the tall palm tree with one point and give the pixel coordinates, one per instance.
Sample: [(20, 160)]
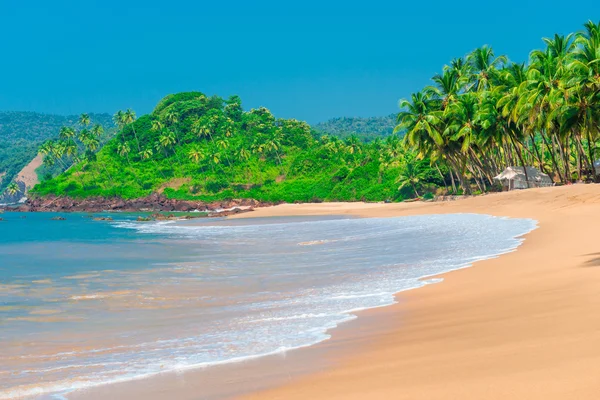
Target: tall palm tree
[(129, 119), (484, 66)]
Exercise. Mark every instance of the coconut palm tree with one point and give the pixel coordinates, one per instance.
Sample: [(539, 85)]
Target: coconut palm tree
[(157, 125), (97, 130), (12, 189), (484, 67), (84, 120), (410, 175), (66, 133), (129, 119), (196, 155), (123, 150)]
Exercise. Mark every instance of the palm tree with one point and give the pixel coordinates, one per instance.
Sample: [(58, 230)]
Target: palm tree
[(123, 149), (97, 130), (157, 125), (66, 133), (12, 189), (119, 119), (129, 119), (196, 155), (84, 120), (244, 155), (410, 175), (484, 65)]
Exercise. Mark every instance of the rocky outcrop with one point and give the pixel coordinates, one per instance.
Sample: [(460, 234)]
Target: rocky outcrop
[(152, 203)]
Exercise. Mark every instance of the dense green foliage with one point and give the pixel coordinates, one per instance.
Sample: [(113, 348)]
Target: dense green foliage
[(197, 147), (366, 129), (483, 112), (22, 133)]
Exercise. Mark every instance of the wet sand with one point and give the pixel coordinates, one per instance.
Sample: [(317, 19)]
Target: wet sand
[(522, 326)]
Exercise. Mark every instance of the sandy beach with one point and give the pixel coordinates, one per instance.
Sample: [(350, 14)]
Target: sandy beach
[(521, 326)]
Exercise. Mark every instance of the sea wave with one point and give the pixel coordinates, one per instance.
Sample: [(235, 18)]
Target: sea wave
[(251, 290)]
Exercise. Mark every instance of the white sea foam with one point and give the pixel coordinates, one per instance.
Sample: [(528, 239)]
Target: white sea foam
[(283, 297)]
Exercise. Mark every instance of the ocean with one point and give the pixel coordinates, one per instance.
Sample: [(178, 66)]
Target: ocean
[(86, 302)]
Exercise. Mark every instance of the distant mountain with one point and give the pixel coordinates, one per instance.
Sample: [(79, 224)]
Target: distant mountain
[(366, 129), (22, 133)]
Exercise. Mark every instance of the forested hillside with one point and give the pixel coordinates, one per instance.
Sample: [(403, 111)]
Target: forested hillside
[(207, 148), (481, 114), (22, 133), (366, 129)]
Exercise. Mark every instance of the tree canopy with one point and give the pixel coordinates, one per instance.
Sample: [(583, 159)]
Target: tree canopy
[(193, 146), (22, 133), (483, 112)]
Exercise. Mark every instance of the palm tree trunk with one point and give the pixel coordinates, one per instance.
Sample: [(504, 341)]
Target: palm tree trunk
[(452, 182), (520, 155), (591, 155), (460, 174), (442, 175), (415, 189), (136, 138), (552, 157)]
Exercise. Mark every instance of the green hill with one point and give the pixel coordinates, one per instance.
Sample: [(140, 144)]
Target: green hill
[(22, 133), (366, 129), (207, 148)]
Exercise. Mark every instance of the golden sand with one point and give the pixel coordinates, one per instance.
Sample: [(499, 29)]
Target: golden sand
[(522, 326), (525, 325)]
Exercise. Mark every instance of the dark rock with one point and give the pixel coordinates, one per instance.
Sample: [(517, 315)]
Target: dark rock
[(58, 218), (102, 219), (154, 202)]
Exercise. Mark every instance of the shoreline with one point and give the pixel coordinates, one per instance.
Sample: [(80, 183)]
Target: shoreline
[(522, 325), (399, 350)]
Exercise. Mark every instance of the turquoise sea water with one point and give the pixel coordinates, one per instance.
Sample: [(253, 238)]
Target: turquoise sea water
[(86, 302)]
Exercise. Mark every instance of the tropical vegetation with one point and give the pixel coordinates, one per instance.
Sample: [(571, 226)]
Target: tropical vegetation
[(208, 148), (366, 129), (22, 133), (483, 113)]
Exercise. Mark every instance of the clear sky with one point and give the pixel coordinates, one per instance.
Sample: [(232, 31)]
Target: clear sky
[(310, 60)]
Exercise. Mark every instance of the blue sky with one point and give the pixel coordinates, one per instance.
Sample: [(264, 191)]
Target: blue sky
[(310, 60)]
